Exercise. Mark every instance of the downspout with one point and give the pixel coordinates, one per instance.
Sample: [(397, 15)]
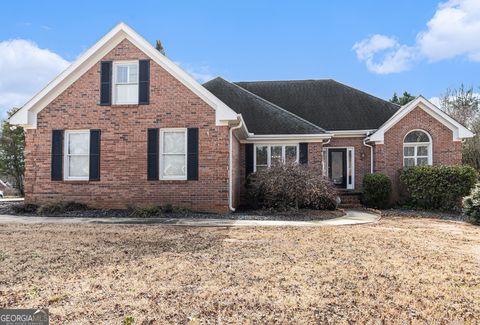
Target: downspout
[(371, 153), (230, 169), (324, 162)]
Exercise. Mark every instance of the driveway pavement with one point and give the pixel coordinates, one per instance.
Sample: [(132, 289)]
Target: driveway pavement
[(352, 217)]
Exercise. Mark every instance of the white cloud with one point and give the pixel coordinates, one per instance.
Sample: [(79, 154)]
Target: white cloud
[(24, 70), (453, 31), (383, 54), (201, 74)]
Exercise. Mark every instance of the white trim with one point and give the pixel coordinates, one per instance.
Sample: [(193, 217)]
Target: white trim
[(160, 161), (325, 166), (269, 153), (66, 163), (458, 130), (27, 115), (285, 138), (114, 81), (418, 144), (351, 133)]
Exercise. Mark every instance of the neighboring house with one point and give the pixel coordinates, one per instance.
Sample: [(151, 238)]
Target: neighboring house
[(124, 125)]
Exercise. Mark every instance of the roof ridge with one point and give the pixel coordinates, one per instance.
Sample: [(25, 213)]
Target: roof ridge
[(328, 80), (276, 106), (363, 92)]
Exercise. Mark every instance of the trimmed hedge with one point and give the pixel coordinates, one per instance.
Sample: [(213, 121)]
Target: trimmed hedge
[(471, 205), (438, 187), (290, 186), (376, 190)]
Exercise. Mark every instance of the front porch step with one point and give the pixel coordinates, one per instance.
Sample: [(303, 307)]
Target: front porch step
[(350, 199)]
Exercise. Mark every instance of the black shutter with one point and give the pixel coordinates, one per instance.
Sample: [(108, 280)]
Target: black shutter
[(152, 154), (248, 159), (106, 83), (144, 82), (303, 153), (192, 158), (94, 174), (57, 155)]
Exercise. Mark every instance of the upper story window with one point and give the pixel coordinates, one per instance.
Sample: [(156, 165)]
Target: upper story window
[(417, 149), (125, 82), (271, 154), (77, 154), (173, 154)]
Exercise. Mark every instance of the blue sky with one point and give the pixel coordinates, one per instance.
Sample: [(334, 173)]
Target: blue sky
[(380, 47)]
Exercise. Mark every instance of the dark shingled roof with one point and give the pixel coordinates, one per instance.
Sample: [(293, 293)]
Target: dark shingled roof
[(261, 116), (326, 103)]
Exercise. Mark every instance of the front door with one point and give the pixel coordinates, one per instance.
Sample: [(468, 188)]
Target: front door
[(337, 167)]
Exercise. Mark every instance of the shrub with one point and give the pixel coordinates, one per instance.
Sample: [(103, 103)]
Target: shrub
[(376, 190), (471, 205), (438, 187), (25, 208), (289, 186), (61, 207), (145, 212)]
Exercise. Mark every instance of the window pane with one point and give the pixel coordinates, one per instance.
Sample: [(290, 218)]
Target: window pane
[(122, 73), (78, 166), (290, 154), (261, 167), (174, 142), (422, 161), (408, 162), (409, 151), (133, 73), (261, 158), (126, 94), (422, 151), (78, 143), (174, 165), (417, 136), (276, 155)]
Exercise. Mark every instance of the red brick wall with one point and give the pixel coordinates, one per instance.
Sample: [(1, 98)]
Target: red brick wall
[(124, 147), (362, 156), (389, 156)]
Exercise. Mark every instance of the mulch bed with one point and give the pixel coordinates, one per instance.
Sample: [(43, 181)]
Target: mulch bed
[(293, 215)]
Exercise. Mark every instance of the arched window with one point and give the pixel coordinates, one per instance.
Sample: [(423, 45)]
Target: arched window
[(417, 149)]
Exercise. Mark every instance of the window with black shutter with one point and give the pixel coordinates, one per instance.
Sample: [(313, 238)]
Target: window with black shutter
[(57, 155), (106, 83), (144, 82), (152, 154)]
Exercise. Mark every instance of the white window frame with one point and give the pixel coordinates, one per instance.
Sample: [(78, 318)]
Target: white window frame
[(66, 162), (269, 152), (415, 146), (162, 154), (350, 185), (114, 81)]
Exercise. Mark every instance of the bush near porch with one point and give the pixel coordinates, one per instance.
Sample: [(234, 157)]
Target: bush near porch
[(376, 190), (438, 187), (290, 186)]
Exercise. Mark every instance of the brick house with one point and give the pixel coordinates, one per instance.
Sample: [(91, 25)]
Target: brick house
[(124, 125)]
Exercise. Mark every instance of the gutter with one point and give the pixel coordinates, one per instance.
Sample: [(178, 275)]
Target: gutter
[(371, 153), (230, 163)]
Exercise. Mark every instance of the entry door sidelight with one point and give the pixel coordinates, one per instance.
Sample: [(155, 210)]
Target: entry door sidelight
[(337, 167)]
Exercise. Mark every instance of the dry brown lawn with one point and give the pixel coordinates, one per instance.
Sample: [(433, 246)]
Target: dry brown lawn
[(401, 270)]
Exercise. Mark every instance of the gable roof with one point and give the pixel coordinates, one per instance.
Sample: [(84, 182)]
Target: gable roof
[(326, 103), (260, 116), (459, 131), (27, 115)]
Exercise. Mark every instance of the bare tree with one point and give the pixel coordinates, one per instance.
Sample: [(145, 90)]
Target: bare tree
[(462, 104)]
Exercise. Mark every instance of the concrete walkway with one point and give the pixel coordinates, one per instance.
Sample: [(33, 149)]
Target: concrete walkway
[(352, 217)]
